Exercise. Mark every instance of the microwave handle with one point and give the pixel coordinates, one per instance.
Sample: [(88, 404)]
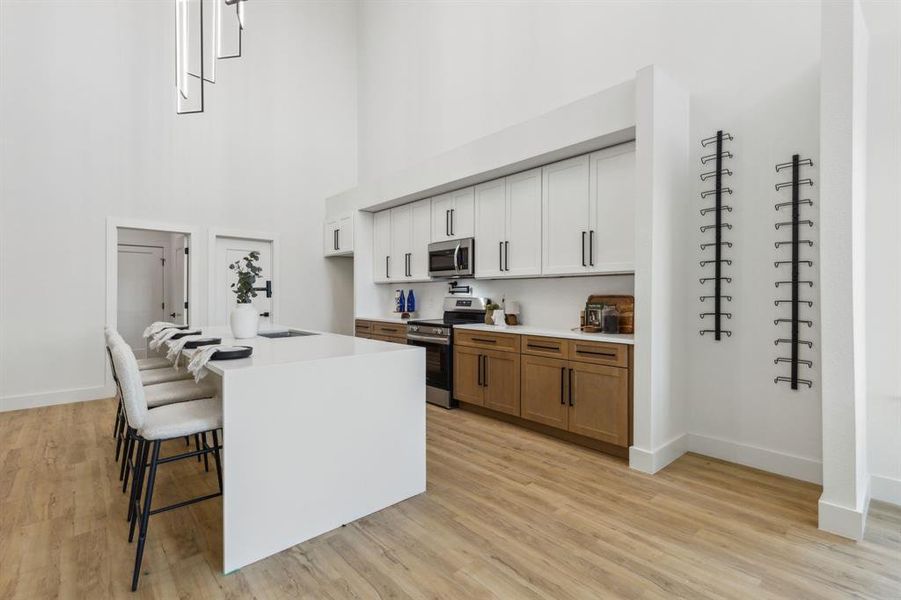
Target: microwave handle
[(456, 259)]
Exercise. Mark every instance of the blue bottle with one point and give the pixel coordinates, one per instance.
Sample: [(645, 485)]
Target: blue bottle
[(401, 305), (411, 302)]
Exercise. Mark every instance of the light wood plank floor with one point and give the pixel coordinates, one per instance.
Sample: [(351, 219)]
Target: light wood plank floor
[(508, 514)]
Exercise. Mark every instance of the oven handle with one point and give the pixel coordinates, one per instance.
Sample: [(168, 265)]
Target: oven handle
[(425, 338)]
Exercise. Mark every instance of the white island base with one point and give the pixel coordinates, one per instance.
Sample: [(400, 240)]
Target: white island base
[(318, 431)]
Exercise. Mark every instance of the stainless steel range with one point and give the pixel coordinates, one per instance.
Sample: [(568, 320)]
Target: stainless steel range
[(436, 336)]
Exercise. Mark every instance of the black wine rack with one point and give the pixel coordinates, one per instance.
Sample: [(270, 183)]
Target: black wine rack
[(717, 278), (795, 281)]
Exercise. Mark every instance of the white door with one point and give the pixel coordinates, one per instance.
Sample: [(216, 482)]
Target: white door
[(401, 231), (177, 310), (491, 227), (228, 250), (381, 246), (346, 234), (612, 237), (421, 231), (522, 246), (141, 295), (441, 217), (566, 212)]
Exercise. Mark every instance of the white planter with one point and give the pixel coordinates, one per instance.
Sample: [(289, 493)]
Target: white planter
[(244, 321)]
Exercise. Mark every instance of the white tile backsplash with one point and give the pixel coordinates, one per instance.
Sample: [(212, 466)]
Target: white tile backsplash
[(552, 302)]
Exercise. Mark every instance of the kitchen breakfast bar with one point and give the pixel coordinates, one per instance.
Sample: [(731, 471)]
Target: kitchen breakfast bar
[(319, 430)]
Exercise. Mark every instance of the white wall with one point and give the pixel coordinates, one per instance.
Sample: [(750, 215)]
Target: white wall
[(436, 75), (884, 250), (89, 130)]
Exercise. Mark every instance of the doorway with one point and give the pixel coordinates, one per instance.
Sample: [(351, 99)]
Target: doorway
[(228, 249), (151, 282)]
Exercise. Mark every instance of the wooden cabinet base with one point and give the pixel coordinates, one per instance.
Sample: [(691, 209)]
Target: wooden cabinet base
[(560, 434)]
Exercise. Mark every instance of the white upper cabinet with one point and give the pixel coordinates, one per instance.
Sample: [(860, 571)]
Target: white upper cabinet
[(490, 227), (338, 236), (566, 210), (421, 237), (508, 226), (611, 242), (452, 215), (522, 248), (401, 237), (381, 246)]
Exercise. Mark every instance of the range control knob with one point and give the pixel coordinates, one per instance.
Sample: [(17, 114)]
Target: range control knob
[(413, 328)]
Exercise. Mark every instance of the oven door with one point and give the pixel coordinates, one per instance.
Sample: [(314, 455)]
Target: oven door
[(453, 258), (438, 361)]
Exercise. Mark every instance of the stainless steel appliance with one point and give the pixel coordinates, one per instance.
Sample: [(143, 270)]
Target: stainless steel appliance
[(453, 258), (436, 336)]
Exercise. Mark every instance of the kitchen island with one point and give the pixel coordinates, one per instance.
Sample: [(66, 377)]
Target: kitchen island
[(319, 430)]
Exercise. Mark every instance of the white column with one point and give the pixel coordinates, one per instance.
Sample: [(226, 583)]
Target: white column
[(842, 171)]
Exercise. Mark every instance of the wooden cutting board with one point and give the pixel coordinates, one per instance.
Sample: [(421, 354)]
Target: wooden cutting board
[(625, 305)]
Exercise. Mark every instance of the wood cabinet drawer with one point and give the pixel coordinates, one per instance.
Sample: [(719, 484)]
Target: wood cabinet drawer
[(545, 346), (390, 329), (601, 353), (362, 328), (488, 340)]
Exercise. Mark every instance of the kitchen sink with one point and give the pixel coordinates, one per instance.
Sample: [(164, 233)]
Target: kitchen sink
[(285, 334)]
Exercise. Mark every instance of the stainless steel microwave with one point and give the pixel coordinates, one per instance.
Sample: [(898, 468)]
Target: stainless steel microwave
[(453, 258)]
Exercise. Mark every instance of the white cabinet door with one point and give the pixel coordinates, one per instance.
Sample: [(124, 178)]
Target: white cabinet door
[(611, 241), (421, 230), (441, 211), (452, 215), (522, 246), (462, 214), (401, 241), (345, 228), (565, 211), (329, 247), (491, 227), (381, 246)]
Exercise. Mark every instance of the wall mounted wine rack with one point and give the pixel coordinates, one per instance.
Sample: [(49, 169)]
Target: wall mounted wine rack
[(713, 299)]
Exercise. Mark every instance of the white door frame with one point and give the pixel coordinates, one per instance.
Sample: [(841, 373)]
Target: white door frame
[(244, 234), (112, 274)]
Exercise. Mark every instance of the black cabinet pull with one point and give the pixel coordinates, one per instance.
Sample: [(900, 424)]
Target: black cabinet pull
[(337, 239), (452, 221), (571, 388), (506, 256), (540, 347), (604, 354), (387, 274), (479, 370), (484, 340), (500, 256), (447, 222), (562, 385), (485, 374), (591, 247), (583, 250)]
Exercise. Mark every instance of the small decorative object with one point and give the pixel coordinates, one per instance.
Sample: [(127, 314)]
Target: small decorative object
[(411, 302), (489, 312), (610, 319), (592, 321), (244, 318), (512, 312), (400, 304)]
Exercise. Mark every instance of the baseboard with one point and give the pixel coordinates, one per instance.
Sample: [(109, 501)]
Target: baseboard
[(38, 399), (652, 461), (885, 489), (789, 465), (844, 521)]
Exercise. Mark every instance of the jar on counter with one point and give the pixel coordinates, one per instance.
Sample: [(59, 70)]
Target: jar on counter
[(609, 319)]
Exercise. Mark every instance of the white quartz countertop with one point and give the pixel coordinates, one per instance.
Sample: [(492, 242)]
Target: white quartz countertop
[(616, 338), (271, 351)]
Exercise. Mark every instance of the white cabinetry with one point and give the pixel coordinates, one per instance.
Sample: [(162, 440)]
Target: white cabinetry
[(588, 212), (381, 246), (508, 226), (338, 236), (401, 239), (452, 215)]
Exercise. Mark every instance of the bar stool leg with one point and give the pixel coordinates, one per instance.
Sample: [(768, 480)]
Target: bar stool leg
[(128, 443), (137, 482), (145, 516)]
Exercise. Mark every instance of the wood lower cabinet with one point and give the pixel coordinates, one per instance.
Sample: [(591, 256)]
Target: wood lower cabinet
[(468, 376), (544, 383), (383, 331), (500, 380), (488, 378), (599, 402)]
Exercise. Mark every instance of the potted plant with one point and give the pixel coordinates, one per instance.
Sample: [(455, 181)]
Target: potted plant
[(244, 318)]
